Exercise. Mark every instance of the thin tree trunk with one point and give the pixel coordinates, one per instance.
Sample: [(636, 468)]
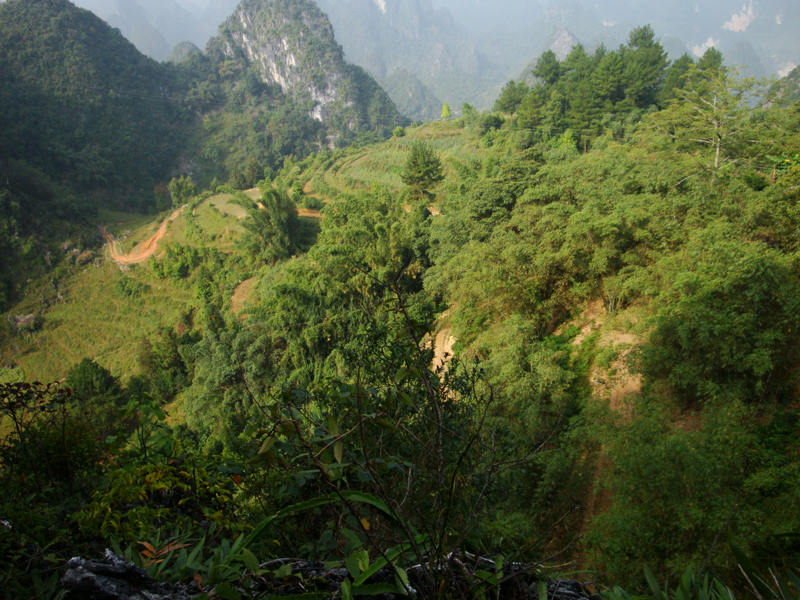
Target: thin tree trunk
[(717, 126)]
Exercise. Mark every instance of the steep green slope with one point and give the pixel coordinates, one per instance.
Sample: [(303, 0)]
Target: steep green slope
[(88, 121), (85, 120), (290, 44), (79, 101), (129, 301), (788, 88), (413, 98)]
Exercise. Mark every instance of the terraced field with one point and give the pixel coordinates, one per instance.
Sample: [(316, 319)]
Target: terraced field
[(84, 315), (382, 164), (82, 311)]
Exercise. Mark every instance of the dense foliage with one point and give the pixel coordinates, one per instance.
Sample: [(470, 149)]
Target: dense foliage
[(320, 423), (75, 98), (88, 122)]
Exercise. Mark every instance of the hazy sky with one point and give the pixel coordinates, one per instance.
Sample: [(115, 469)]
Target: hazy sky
[(742, 29)]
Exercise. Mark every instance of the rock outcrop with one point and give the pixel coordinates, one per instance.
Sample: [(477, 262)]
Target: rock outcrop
[(114, 578), (290, 43)]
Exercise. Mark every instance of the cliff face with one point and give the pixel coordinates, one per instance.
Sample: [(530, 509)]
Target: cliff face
[(291, 43)]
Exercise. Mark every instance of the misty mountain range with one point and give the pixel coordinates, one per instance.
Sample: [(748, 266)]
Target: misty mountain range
[(425, 52)]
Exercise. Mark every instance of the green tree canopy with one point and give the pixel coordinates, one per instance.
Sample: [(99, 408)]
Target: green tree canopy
[(713, 111), (272, 227), (645, 64), (181, 189), (548, 68), (90, 380), (422, 170), (511, 97)]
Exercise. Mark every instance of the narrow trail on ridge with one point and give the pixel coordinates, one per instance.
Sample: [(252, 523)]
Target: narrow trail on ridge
[(141, 252)]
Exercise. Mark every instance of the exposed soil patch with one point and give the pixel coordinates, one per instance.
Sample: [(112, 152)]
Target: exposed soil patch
[(431, 209), (443, 347), (243, 294), (142, 252), (442, 342), (611, 382), (592, 318)]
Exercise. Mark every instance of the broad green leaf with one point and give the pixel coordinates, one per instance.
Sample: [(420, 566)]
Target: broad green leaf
[(363, 559), (351, 562), (195, 552), (346, 590), (284, 571), (355, 496), (288, 428), (542, 586), (795, 580), (391, 555), (267, 444), (333, 425), (485, 576), (225, 591), (385, 423), (786, 593), (250, 561), (401, 374), (338, 451), (651, 581)]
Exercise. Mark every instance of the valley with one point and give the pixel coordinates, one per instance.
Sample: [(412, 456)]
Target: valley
[(257, 325)]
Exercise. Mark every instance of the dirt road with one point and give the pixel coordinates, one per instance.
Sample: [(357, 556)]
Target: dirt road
[(142, 252)]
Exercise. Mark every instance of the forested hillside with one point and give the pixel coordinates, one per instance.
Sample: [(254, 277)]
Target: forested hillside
[(553, 340), (79, 105), (88, 122), (75, 97)]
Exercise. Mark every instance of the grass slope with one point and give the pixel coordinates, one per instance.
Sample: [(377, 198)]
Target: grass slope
[(92, 319), (381, 164)]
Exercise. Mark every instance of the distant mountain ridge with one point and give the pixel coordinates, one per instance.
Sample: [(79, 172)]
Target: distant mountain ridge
[(757, 34), (291, 43), (465, 50), (86, 109), (394, 38), (156, 26)]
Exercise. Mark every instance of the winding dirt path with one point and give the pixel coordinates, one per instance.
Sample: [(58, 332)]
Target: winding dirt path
[(142, 252)]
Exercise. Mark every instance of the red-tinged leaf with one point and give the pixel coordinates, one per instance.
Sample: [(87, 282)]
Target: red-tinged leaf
[(149, 546)]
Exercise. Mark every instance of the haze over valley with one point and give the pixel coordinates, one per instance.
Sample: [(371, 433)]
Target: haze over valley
[(425, 52), (384, 299)]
